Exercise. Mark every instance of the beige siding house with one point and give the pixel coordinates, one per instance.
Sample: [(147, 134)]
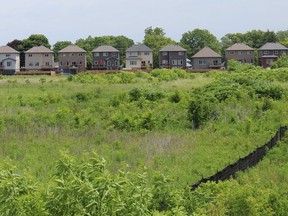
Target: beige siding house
[(139, 56), (72, 59), (9, 60), (39, 58)]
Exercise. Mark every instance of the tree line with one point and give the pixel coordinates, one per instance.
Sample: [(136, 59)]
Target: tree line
[(155, 38)]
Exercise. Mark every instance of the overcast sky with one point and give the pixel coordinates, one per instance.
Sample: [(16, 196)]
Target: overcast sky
[(70, 20)]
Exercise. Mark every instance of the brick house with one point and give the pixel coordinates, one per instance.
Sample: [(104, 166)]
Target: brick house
[(270, 52), (240, 52), (72, 59), (172, 56), (105, 58)]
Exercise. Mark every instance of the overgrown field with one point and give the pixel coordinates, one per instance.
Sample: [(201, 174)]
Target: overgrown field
[(164, 130)]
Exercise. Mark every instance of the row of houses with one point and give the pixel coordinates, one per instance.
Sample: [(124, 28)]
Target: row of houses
[(72, 59)]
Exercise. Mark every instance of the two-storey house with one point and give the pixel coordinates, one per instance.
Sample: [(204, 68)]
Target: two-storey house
[(270, 52), (105, 58), (139, 56), (172, 56), (72, 59), (240, 52), (206, 58), (39, 58), (9, 60)]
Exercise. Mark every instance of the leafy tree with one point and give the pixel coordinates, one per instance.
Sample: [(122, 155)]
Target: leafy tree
[(156, 39), (58, 46), (35, 40), (197, 39), (16, 44), (281, 62)]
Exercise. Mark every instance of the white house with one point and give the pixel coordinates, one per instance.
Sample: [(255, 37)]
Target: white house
[(9, 60)]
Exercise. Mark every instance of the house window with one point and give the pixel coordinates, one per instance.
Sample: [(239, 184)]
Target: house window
[(9, 64), (61, 63), (105, 54), (80, 54), (215, 62), (96, 62), (174, 62), (67, 63), (275, 52), (164, 62), (0, 63), (116, 63), (63, 54), (133, 62), (146, 53), (139, 53), (231, 53), (47, 63), (180, 53), (240, 52), (37, 64), (251, 61), (282, 52), (269, 61), (80, 63), (30, 55), (46, 55), (266, 52), (115, 54), (164, 53), (74, 63), (202, 62), (30, 64), (7, 55), (109, 63), (71, 54), (249, 52), (96, 54), (180, 62)]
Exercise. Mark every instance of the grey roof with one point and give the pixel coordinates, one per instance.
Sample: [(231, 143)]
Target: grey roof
[(8, 50), (273, 46), (105, 48), (39, 49), (71, 49), (139, 48), (172, 48), (206, 52), (239, 47)]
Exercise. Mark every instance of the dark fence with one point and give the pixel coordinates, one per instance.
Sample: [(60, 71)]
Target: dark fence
[(244, 163)]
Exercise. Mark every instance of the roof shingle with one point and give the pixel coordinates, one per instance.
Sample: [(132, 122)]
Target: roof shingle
[(273, 46), (105, 48), (206, 52), (239, 47), (8, 50), (172, 48), (139, 48), (39, 49), (71, 49)]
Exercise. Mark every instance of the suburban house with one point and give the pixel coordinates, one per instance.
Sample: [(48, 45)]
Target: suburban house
[(206, 58), (9, 60), (240, 52), (270, 52), (139, 56), (72, 59), (39, 58), (172, 56), (105, 58)]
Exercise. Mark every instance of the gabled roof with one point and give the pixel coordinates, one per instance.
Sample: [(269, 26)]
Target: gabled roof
[(71, 49), (105, 48), (239, 47), (172, 48), (7, 50), (206, 52), (139, 48), (39, 49), (273, 46)]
